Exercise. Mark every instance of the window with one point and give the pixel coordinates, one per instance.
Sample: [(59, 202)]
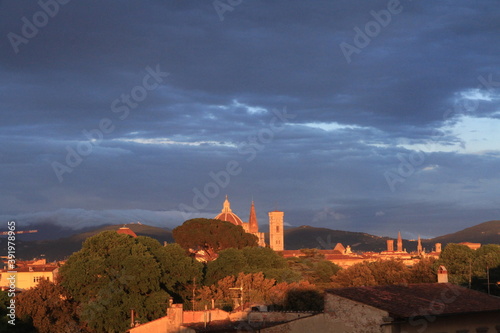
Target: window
[(277, 228), (37, 279)]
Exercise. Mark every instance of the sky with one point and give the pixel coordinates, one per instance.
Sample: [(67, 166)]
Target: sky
[(372, 116)]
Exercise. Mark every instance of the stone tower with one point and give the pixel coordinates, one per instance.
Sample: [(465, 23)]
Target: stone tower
[(419, 245), (276, 235), (400, 242), (438, 247), (253, 225)]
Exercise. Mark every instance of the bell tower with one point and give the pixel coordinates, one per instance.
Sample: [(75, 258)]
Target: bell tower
[(252, 220), (276, 233), (400, 242)]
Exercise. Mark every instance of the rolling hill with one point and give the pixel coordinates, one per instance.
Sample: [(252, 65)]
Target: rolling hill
[(484, 233), (324, 238)]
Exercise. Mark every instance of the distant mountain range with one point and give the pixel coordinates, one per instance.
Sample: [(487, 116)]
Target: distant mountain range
[(295, 238), (59, 249)]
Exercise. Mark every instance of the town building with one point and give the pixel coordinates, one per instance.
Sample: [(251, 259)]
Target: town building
[(426, 307), (276, 233), (472, 246), (126, 231), (28, 274)]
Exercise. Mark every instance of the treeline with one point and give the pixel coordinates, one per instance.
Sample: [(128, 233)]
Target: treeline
[(477, 269)]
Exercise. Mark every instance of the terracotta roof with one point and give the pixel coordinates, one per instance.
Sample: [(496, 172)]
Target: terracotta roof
[(32, 269), (339, 248), (326, 253), (342, 257), (229, 217), (227, 214), (126, 231), (405, 301)]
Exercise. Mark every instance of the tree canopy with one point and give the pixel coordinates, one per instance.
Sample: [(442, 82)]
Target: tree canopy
[(472, 267), (114, 273), (248, 260), (23, 323), (50, 308), (457, 259), (314, 268), (254, 288), (212, 236), (384, 272)]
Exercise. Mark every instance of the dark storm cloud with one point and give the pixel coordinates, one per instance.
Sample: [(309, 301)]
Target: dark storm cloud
[(224, 79)]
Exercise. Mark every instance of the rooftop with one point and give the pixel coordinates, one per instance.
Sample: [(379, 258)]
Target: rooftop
[(404, 301), (126, 231), (227, 214), (45, 268)]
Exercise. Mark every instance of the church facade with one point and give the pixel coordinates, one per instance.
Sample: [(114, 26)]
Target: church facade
[(276, 224)]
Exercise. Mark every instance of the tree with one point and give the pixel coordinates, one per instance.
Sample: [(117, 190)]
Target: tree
[(114, 273), (388, 272), (230, 262), (486, 269), (212, 236), (458, 261), (255, 288), (50, 308), (486, 257), (380, 272), (304, 299), (249, 260), (424, 271), (323, 271), (356, 275), (314, 268), (178, 269), (23, 324)]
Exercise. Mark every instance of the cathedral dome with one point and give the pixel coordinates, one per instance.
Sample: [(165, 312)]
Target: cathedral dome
[(126, 231), (227, 214)]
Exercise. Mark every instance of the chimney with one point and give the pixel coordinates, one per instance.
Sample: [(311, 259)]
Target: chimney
[(438, 247), (442, 274), (390, 245), (175, 313)]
